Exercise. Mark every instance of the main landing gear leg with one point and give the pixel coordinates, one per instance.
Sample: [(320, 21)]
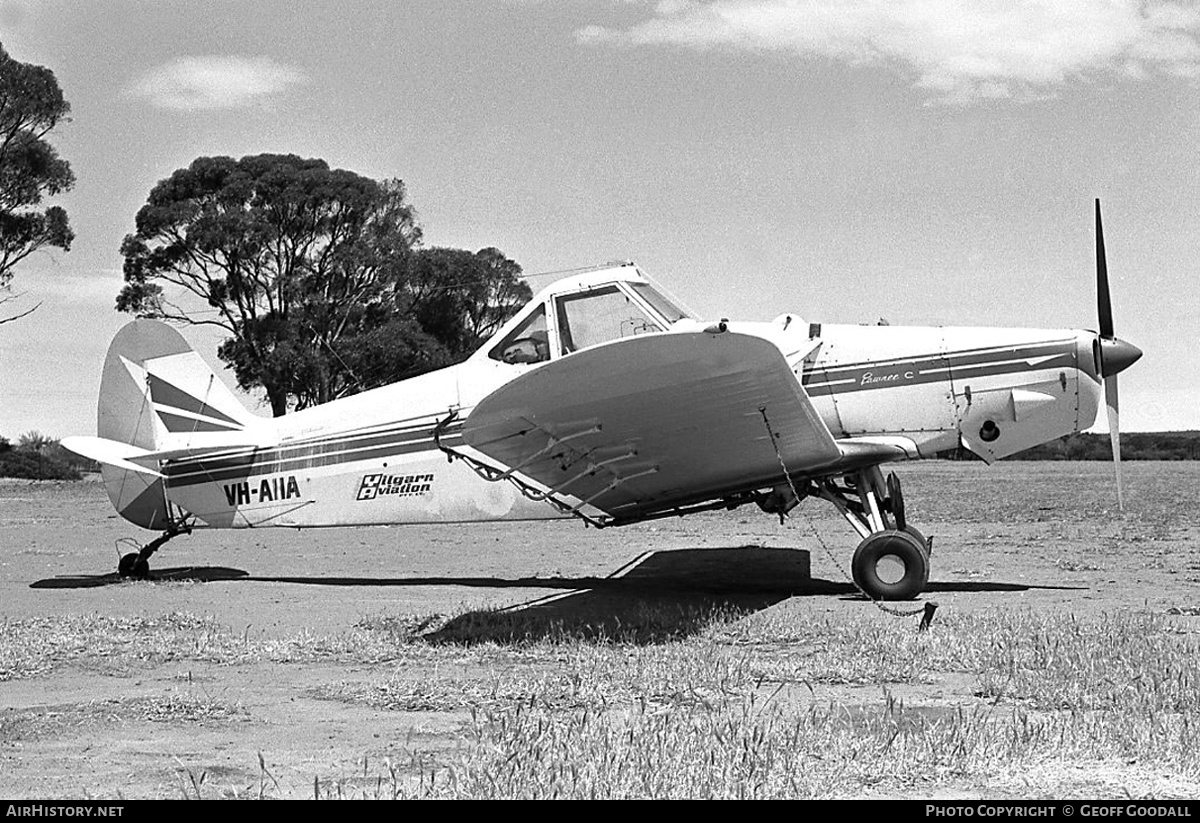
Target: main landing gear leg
[(892, 561), (137, 564)]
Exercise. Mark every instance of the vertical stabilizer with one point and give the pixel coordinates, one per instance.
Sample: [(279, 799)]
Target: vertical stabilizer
[(157, 394)]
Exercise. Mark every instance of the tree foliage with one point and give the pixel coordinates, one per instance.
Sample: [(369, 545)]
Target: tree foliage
[(35, 441), (282, 251), (436, 313), (31, 105), (313, 272), (1179, 445), (462, 298)]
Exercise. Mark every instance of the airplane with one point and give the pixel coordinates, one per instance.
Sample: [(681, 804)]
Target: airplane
[(604, 400)]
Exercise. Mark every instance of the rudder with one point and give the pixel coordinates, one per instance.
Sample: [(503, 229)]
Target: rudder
[(157, 393)]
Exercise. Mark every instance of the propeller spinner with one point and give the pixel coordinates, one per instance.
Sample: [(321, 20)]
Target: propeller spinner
[(1114, 355)]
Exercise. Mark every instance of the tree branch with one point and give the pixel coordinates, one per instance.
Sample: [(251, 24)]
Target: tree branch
[(25, 313)]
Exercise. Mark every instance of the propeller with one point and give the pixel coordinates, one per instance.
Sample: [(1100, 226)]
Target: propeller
[(1114, 355)]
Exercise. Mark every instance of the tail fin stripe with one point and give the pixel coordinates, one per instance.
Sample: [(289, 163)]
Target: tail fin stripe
[(166, 394), (176, 424)]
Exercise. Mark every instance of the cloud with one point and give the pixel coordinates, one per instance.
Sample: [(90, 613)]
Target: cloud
[(216, 82), (956, 51)]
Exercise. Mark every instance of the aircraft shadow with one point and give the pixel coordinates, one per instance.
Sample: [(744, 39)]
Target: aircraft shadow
[(196, 574), (659, 596), (668, 595)]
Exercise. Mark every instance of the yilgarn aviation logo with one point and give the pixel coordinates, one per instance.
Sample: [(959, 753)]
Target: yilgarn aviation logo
[(398, 485)]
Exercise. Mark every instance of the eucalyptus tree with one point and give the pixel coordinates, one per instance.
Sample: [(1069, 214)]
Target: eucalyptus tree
[(285, 254), (315, 275), (31, 106)]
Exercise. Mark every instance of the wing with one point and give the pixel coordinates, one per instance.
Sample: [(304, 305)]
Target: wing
[(651, 423)]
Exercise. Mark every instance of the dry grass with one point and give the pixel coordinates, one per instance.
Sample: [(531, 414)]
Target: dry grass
[(36, 646), (733, 712), (170, 707), (739, 706)]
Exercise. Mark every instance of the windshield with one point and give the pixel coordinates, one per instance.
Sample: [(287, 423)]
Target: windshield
[(659, 302), (598, 316)]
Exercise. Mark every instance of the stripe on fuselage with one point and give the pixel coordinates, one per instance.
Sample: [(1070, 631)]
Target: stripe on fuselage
[(318, 452), (409, 438), (821, 381)]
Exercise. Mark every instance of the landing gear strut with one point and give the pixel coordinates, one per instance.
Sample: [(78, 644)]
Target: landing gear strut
[(892, 561), (137, 564)]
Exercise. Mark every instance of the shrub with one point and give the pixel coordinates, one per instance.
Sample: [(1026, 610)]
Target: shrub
[(34, 466)]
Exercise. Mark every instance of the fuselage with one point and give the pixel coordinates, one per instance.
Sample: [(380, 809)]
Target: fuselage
[(372, 458)]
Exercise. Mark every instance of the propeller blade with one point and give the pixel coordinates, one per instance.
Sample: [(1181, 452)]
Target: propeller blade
[(1115, 355), (1114, 431), (1103, 300)]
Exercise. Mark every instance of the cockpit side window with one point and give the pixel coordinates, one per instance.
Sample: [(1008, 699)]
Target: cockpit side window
[(598, 316), (528, 343)]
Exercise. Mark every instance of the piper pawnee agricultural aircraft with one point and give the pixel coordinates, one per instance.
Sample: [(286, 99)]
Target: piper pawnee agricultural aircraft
[(602, 399)]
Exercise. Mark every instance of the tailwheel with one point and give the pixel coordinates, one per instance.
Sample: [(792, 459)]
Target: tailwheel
[(891, 565), (126, 564), (133, 565), (137, 564)]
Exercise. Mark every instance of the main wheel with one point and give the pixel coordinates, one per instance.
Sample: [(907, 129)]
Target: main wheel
[(891, 565)]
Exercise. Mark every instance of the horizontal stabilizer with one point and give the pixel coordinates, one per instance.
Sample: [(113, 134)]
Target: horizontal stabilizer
[(110, 453), (125, 456), (216, 443)]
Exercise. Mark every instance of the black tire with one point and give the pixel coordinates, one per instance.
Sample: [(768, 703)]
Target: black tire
[(891, 551), (141, 569), (127, 564), (920, 537)]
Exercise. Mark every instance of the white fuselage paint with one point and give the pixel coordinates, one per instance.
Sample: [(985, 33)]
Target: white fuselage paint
[(371, 458)]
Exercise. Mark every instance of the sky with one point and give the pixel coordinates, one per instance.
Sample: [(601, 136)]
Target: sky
[(931, 163)]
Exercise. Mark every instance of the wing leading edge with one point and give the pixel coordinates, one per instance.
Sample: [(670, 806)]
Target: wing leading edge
[(651, 423)]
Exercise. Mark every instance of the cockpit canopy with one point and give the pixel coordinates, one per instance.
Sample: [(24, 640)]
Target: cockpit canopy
[(585, 310)]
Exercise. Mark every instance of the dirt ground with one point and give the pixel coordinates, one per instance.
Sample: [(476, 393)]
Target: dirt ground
[(1017, 535)]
